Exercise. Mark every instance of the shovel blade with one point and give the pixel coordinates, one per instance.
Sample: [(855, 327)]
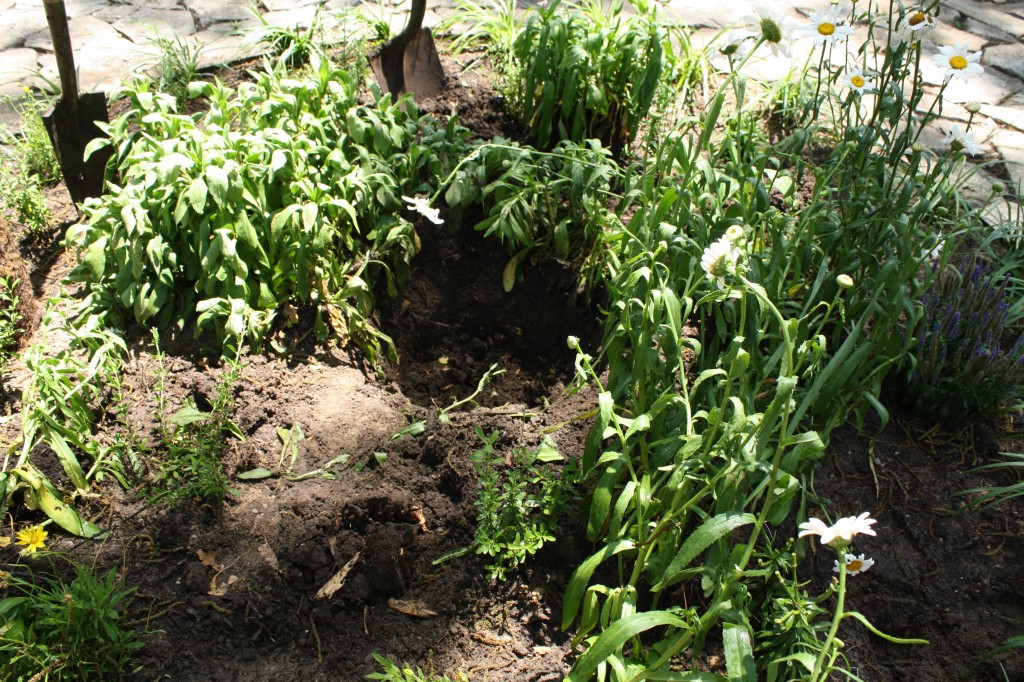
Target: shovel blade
[(418, 71), (71, 125)]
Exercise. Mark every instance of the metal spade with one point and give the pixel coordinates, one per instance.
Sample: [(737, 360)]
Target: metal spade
[(409, 62)]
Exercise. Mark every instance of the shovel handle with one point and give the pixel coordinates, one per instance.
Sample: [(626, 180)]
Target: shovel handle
[(57, 20), (419, 10)]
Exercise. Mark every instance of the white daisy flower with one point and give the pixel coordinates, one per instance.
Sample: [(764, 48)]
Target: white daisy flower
[(957, 62), (737, 46), (825, 27), (961, 141), (843, 529), (719, 260), (775, 29), (856, 80), (915, 24), (422, 206), (854, 564)]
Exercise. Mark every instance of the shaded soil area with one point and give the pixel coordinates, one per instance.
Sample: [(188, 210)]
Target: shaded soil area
[(453, 321), (945, 571)]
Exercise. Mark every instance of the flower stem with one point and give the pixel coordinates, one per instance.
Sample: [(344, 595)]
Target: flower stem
[(819, 665)]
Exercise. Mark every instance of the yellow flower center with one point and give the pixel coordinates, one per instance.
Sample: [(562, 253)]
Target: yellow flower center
[(857, 81), (917, 18), (826, 29), (958, 62), (855, 565)]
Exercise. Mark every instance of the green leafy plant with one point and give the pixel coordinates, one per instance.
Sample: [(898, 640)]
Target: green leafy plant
[(539, 202), (517, 507), (293, 45), (588, 73), (10, 319), (286, 192), (29, 165), (23, 195), (392, 672), (31, 151), (176, 64), (492, 25), (56, 630), (186, 461), (59, 411)]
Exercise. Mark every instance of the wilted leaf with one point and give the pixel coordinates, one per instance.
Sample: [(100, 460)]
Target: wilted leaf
[(338, 323), (208, 559), (337, 580), (412, 608), (220, 590), (267, 554)]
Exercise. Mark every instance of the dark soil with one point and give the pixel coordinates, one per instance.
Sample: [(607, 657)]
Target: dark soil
[(228, 592), (945, 571)]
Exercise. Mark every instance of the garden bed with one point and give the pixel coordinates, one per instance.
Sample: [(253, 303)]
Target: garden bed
[(382, 484)]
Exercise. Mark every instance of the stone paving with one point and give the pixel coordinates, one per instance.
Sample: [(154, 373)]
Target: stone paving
[(114, 38)]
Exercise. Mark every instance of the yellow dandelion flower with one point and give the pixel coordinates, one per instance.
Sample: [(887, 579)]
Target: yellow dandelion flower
[(32, 539)]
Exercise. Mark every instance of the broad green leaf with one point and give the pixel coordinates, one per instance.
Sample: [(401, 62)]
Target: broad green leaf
[(617, 634), (257, 474), (51, 502), (197, 195), (712, 530), (601, 497), (8, 604), (188, 415), (279, 220), (739, 653), (95, 258), (217, 181), (67, 458)]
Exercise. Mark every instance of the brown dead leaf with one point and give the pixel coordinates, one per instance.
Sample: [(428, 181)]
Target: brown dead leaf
[(220, 590), (337, 580), (338, 322), (291, 315), (412, 608), (268, 555), (208, 559), (417, 513)]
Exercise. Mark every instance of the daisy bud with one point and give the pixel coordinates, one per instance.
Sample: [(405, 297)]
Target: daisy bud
[(572, 342), (973, 107), (844, 281)]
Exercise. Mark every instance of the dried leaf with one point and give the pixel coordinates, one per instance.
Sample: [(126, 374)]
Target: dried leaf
[(291, 315), (335, 583), (338, 322), (220, 590), (412, 608), (417, 513), (268, 555), (208, 559)]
